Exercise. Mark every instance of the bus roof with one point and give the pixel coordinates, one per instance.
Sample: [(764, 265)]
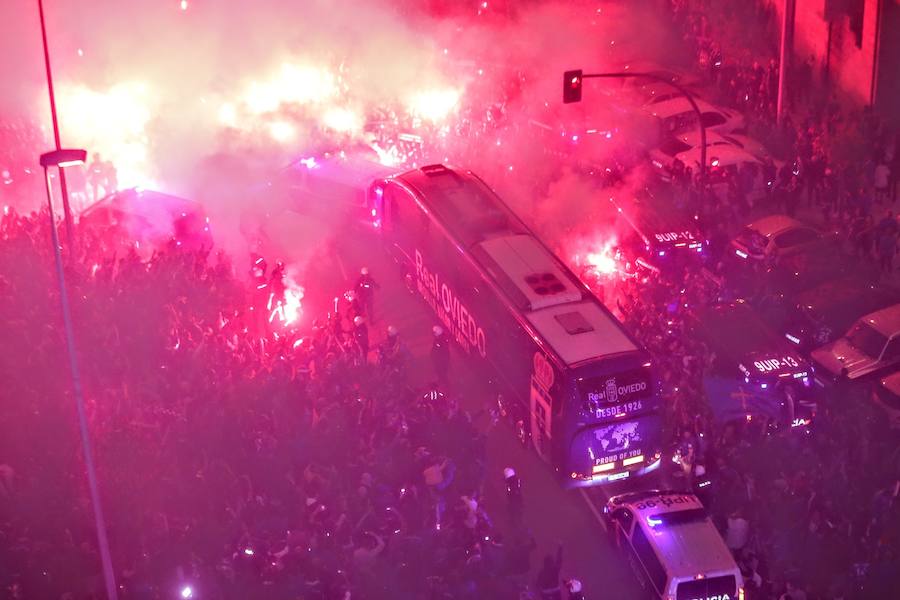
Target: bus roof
[(466, 206), (570, 320), (529, 268), (581, 331)]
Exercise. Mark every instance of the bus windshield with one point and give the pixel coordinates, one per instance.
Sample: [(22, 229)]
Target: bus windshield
[(616, 395), (615, 443)]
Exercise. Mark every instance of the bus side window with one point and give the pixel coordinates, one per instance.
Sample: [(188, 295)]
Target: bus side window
[(655, 571), (394, 211)]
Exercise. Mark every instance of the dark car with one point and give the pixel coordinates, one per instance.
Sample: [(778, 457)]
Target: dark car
[(823, 313), (654, 233), (151, 219), (775, 287), (755, 372)]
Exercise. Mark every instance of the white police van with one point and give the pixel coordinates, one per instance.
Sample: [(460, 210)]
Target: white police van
[(673, 546)]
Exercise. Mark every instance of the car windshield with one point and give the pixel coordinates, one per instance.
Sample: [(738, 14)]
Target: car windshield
[(796, 237), (672, 147), (866, 339), (677, 517), (711, 119), (752, 239)]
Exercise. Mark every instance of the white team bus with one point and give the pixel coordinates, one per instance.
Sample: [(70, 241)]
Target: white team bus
[(673, 546)]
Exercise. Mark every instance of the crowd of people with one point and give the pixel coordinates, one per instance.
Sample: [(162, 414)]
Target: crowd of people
[(825, 523), (231, 464)]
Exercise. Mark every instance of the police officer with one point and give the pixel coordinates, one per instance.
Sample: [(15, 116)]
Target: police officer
[(390, 349), (440, 353), (361, 336), (365, 292), (513, 493)]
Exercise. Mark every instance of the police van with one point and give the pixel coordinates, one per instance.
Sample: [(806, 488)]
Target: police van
[(673, 546)]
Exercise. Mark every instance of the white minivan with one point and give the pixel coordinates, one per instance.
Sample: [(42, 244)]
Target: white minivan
[(673, 546)]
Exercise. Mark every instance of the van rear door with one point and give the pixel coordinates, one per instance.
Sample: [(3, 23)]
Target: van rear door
[(723, 587)]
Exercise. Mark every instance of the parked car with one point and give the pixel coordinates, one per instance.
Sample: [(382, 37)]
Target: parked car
[(870, 347), (755, 373), (686, 148), (820, 314), (775, 236), (653, 233), (676, 115), (739, 138), (776, 289), (152, 220), (886, 396)]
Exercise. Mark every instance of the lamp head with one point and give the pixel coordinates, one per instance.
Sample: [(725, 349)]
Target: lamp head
[(65, 157)]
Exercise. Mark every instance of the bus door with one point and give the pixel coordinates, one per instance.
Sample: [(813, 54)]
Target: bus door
[(540, 419)]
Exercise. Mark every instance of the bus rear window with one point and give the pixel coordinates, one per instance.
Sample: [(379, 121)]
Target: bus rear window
[(723, 587)]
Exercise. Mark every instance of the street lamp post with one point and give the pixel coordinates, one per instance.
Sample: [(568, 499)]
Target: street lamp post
[(60, 159), (67, 211), (570, 75)]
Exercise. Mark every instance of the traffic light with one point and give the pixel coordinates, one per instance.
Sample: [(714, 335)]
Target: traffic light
[(572, 86)]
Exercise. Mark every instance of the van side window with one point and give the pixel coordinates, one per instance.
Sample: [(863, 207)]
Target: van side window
[(625, 518), (893, 349), (645, 553)]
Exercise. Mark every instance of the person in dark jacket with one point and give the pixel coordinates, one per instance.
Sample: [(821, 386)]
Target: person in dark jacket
[(548, 577), (440, 353), (365, 292), (361, 336)]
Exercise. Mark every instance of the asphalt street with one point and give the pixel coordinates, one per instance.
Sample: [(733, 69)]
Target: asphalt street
[(552, 515)]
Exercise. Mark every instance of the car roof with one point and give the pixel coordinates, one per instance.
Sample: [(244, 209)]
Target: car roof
[(687, 548), (885, 321), (691, 548), (145, 204), (680, 105), (775, 224), (654, 213)]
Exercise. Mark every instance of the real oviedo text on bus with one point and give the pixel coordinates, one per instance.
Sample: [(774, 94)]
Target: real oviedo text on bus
[(582, 387)]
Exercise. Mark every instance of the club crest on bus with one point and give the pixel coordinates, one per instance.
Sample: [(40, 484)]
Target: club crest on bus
[(612, 392), (543, 371)]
